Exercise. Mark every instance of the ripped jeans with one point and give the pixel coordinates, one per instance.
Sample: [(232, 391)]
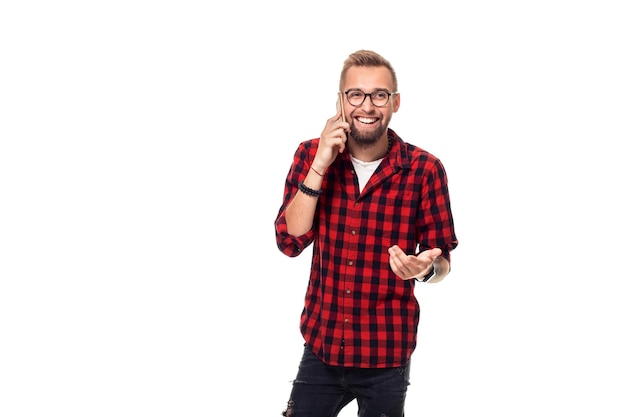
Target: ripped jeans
[(322, 391)]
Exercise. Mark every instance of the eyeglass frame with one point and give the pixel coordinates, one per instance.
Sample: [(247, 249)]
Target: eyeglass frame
[(370, 95)]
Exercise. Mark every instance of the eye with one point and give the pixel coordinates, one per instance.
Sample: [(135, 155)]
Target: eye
[(355, 94), (380, 95)]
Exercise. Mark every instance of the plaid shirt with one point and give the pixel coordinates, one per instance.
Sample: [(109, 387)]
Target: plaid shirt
[(357, 312)]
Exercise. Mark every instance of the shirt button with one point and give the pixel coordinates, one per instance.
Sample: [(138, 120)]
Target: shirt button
[(345, 320), (353, 232), (350, 263), (348, 291)]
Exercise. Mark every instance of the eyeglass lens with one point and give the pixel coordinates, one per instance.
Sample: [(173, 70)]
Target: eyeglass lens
[(357, 97)]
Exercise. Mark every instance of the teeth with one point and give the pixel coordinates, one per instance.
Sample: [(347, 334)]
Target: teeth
[(366, 120)]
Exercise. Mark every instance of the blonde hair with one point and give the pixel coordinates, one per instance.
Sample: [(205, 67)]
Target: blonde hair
[(365, 58)]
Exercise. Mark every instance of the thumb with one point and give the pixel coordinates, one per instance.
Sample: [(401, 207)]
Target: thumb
[(435, 253)]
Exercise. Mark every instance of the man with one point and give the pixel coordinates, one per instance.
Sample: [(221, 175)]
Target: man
[(378, 213)]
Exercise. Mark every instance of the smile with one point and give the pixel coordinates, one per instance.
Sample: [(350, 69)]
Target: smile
[(367, 120)]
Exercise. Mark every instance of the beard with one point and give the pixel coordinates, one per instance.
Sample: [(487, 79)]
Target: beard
[(368, 138)]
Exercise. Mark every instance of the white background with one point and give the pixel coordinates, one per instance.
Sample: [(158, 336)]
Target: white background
[(144, 147)]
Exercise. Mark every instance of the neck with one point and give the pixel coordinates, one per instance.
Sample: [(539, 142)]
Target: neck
[(372, 152)]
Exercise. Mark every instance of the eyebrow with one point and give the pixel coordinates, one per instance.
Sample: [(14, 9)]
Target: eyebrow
[(376, 89)]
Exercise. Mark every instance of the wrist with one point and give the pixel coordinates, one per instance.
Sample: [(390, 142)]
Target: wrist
[(318, 171), (430, 273), (309, 191)]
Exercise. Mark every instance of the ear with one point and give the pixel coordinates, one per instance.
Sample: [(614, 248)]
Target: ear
[(395, 102)]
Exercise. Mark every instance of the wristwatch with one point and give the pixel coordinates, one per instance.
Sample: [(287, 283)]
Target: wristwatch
[(429, 275)]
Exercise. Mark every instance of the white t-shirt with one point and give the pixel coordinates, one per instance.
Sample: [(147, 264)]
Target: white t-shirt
[(364, 170)]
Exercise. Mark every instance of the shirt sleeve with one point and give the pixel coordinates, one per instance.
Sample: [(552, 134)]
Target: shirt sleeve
[(435, 222), (288, 244)]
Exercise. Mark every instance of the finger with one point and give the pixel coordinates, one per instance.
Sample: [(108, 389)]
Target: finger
[(398, 257), (435, 253), (430, 254), (393, 249), (337, 117), (396, 251), (399, 268), (331, 122), (396, 265)]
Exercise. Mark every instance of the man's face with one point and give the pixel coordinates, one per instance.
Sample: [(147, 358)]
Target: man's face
[(368, 122)]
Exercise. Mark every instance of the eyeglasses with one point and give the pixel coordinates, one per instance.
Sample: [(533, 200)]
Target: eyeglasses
[(379, 98)]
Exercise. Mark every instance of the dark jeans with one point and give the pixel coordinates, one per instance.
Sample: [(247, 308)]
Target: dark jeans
[(322, 391)]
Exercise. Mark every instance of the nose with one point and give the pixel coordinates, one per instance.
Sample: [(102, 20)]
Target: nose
[(368, 104)]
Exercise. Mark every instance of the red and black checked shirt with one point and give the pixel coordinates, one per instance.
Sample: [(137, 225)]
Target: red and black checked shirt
[(357, 312)]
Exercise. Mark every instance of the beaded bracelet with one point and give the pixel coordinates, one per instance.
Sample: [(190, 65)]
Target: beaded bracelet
[(309, 191)]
